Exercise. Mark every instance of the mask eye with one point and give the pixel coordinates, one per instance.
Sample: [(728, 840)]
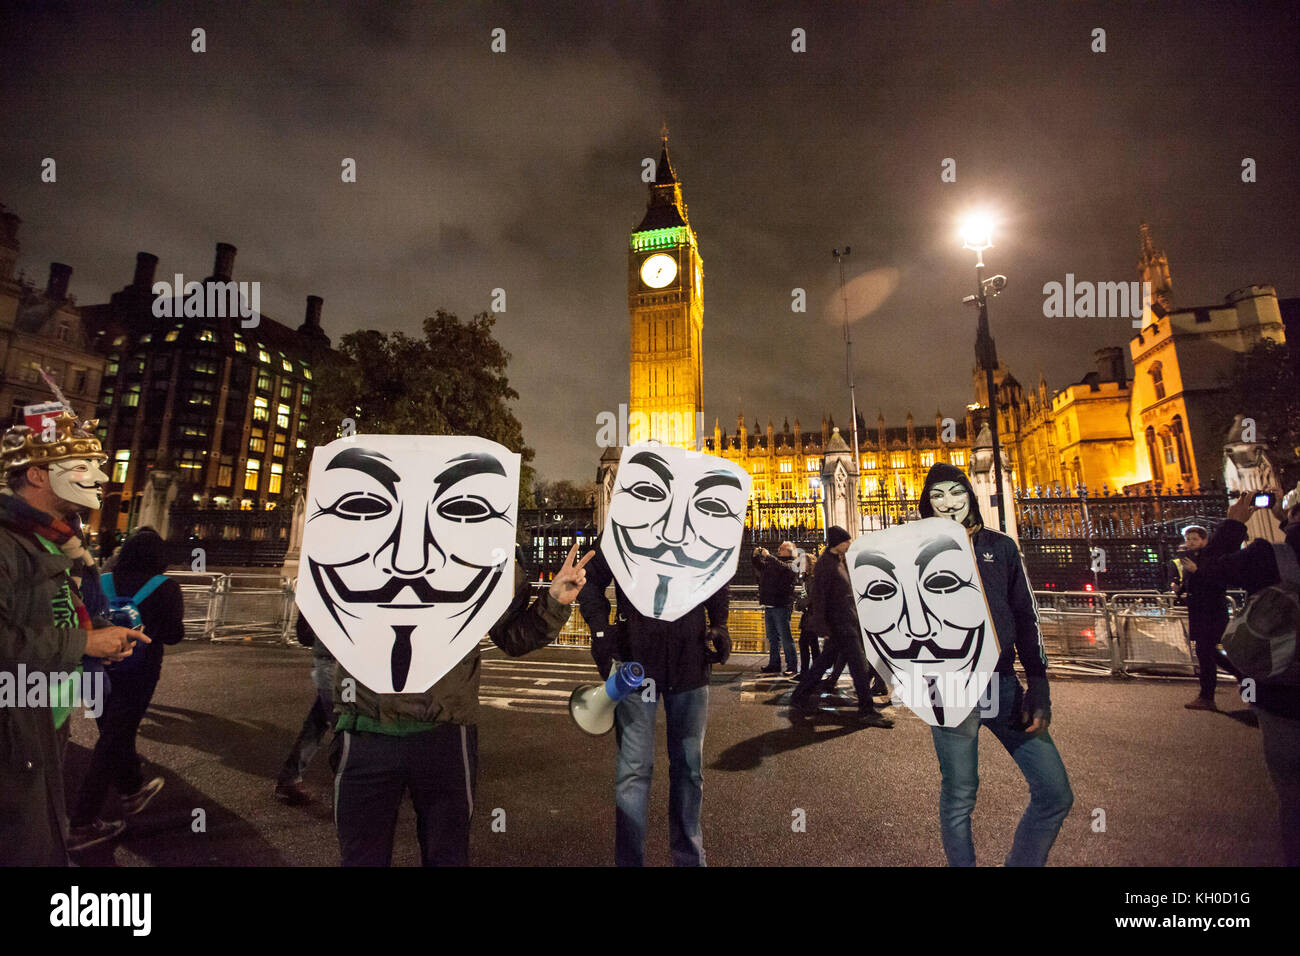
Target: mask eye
[(647, 491), (879, 591), (466, 509), (943, 582), (360, 506), (714, 508)]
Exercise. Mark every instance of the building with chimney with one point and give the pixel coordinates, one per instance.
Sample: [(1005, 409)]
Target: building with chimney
[(41, 329), (204, 409)]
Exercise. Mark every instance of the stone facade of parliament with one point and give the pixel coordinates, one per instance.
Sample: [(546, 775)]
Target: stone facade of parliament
[(1163, 427)]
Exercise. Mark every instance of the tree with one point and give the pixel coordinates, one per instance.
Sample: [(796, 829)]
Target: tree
[(1265, 386), (335, 394), (450, 381), (565, 493)]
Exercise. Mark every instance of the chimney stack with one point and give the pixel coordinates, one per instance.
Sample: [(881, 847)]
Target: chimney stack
[(57, 289), (312, 319), (224, 264), (145, 264)]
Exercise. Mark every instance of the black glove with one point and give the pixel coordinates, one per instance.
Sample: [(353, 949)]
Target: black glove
[(1038, 699), (720, 640)]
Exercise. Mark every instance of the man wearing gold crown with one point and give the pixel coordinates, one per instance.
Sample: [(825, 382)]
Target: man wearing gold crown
[(49, 476)]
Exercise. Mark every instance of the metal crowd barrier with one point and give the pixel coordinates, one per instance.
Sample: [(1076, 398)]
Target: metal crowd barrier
[(1117, 631)]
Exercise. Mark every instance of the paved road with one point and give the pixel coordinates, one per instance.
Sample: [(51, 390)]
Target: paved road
[(1176, 787)]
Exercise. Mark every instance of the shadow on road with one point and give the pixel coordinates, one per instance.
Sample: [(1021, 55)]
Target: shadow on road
[(748, 754), (250, 746)]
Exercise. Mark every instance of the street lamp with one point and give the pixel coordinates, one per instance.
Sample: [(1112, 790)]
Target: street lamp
[(977, 235), (848, 371)]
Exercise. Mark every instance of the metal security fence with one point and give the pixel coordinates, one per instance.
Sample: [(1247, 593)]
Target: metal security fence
[(1116, 632)]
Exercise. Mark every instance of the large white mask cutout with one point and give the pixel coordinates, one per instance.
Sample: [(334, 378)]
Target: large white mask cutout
[(407, 553), (925, 623), (78, 481), (672, 538)]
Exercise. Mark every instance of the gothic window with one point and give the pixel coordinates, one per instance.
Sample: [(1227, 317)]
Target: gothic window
[(1158, 379), (1151, 452), (1180, 446), (1167, 447)]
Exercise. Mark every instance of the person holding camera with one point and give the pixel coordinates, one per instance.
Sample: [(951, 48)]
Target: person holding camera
[(776, 583), (1258, 566)]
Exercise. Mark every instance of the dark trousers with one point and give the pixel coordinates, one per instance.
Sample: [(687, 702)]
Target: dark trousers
[(372, 772), (849, 644), (809, 648), (114, 761)]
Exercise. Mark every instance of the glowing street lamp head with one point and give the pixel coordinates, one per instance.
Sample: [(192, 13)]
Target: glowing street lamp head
[(977, 232)]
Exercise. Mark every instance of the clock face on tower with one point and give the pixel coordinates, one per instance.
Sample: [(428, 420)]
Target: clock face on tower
[(658, 270)]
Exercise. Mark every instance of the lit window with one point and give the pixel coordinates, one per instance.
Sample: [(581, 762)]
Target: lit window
[(251, 474), (958, 458), (207, 335), (306, 373), (277, 475), (286, 390), (898, 460), (301, 444), (263, 381), (132, 397), (173, 335), (111, 370), (121, 461), (282, 416), (278, 449), (224, 475), (306, 397), (120, 340), (261, 409), (786, 466), (1158, 379), (286, 364), (146, 338), (927, 459), (240, 346), (814, 464), (263, 355), (257, 444)]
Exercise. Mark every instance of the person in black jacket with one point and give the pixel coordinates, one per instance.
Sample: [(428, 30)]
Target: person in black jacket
[(835, 615), (114, 762), (1277, 706), (1021, 717), (1207, 610), (776, 581), (676, 656)]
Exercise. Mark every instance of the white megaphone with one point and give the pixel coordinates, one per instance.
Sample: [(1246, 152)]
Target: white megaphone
[(592, 705)]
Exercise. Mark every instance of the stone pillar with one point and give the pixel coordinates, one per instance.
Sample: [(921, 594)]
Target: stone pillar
[(1248, 470), (839, 486), (160, 491), (294, 551), (981, 478), (606, 472)]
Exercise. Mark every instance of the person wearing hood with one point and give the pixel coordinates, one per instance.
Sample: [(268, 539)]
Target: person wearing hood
[(835, 615), (1020, 718), (1255, 567)]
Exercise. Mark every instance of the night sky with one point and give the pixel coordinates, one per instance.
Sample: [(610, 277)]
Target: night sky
[(521, 170)]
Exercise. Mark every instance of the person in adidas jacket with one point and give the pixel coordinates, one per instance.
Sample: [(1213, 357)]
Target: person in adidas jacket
[(1021, 717)]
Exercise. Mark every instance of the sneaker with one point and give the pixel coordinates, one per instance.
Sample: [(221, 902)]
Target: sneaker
[(1201, 703), (770, 669), (97, 831), (134, 803), (875, 719), (294, 794)]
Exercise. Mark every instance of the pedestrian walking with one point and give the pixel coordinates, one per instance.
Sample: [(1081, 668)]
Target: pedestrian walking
[(776, 586), (289, 787)]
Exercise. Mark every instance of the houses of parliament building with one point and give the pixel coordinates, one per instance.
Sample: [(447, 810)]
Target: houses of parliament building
[(1160, 428)]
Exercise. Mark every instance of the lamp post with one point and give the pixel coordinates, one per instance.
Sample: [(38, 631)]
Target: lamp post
[(848, 372), (977, 235)]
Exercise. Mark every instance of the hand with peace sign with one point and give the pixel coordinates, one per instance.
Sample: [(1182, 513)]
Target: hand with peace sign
[(571, 577)]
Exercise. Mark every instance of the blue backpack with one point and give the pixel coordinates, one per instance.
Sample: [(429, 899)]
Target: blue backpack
[(125, 612)]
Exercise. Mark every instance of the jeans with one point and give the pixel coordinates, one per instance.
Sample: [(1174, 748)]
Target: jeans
[(114, 761), (318, 722), (776, 622), (634, 727), (1281, 738), (1050, 797), (373, 771)]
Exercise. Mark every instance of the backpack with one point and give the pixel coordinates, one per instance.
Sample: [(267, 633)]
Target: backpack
[(1261, 642), (125, 612)]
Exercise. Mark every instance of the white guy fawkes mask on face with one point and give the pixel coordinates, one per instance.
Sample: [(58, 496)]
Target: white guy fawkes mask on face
[(78, 481), (407, 553), (923, 616), (673, 534), (950, 499)]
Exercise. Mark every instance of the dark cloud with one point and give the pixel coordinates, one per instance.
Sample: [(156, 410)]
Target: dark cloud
[(521, 171)]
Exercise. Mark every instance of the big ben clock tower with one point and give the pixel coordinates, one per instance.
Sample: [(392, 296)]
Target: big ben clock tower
[(665, 299)]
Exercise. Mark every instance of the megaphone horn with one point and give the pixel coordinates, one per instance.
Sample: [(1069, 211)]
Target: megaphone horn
[(592, 705)]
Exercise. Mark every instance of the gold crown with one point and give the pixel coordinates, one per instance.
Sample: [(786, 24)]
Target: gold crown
[(22, 446)]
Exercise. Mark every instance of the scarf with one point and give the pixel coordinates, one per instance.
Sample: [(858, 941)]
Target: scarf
[(17, 514)]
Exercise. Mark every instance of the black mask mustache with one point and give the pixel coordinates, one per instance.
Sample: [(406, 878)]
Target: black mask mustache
[(657, 552), (385, 594), (912, 651)]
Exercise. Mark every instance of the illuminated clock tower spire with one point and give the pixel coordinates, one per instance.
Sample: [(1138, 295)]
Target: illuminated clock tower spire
[(665, 300)]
